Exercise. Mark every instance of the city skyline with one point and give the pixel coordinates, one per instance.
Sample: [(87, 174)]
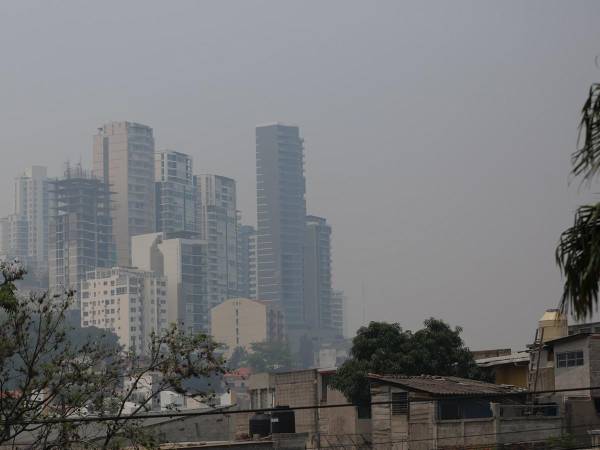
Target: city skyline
[(458, 220)]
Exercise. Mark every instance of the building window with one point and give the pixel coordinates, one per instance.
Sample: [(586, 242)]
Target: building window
[(569, 359), (399, 403)]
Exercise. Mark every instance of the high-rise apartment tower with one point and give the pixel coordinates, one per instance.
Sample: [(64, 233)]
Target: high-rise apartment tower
[(217, 219), (175, 192), (317, 274), (281, 219), (124, 159)]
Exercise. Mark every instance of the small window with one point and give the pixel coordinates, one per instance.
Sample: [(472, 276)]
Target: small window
[(399, 403), (569, 359)]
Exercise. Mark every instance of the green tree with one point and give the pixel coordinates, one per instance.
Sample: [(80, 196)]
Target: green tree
[(238, 358), (48, 380), (385, 348), (578, 251), (269, 357)]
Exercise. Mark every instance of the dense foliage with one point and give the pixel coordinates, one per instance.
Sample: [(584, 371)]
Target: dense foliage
[(384, 348), (262, 357)]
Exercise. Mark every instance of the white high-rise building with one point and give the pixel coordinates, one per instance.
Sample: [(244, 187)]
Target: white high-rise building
[(181, 258), (175, 192), (124, 159), (217, 218), (129, 302), (31, 203)]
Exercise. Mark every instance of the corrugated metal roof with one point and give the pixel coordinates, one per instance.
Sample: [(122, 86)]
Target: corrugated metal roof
[(514, 358), (436, 385)]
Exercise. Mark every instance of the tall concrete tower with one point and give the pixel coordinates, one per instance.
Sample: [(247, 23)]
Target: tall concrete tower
[(317, 275), (281, 220), (124, 159)]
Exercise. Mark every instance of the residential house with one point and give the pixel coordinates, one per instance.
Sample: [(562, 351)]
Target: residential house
[(424, 412), (574, 362)]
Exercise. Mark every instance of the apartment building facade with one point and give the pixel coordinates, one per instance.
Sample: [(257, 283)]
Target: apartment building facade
[(129, 302), (175, 192), (182, 259), (217, 218)]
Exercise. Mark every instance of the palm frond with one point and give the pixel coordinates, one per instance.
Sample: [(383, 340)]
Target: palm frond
[(578, 257), (586, 159)]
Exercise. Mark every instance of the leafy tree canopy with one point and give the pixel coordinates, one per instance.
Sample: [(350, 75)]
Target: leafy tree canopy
[(238, 358), (385, 348), (268, 357)]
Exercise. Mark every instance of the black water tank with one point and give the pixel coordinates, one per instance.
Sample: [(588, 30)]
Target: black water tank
[(283, 420), (260, 424)]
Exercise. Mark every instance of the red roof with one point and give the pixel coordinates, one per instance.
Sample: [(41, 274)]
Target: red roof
[(242, 372)]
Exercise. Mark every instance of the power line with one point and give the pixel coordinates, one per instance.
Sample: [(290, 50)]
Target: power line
[(175, 414)]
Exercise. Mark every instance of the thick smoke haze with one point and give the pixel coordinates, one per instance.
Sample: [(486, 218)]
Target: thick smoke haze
[(437, 134)]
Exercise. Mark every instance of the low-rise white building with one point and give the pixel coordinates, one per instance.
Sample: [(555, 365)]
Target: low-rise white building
[(129, 302)]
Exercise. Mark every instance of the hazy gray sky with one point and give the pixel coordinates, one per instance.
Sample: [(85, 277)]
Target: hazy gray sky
[(437, 134)]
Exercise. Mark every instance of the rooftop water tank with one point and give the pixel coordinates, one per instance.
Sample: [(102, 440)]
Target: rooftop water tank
[(260, 425), (283, 420), (552, 325)]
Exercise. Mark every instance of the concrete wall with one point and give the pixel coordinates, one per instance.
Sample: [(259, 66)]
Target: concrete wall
[(195, 429), (581, 416), (304, 388), (525, 429), (337, 421), (298, 389), (594, 363), (380, 414), (387, 429), (468, 432), (421, 425)]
